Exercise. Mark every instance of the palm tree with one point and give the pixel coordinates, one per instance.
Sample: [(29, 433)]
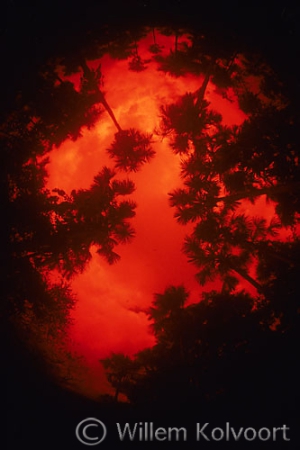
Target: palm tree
[(131, 148), (203, 352), (167, 304), (218, 262), (90, 84), (169, 319), (173, 30), (137, 64), (119, 370), (224, 244), (188, 120), (73, 223), (229, 164), (221, 246), (155, 47)]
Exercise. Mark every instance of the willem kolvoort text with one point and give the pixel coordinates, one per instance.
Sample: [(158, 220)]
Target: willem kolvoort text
[(147, 431)]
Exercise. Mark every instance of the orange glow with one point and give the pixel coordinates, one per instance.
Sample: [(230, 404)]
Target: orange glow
[(111, 299)]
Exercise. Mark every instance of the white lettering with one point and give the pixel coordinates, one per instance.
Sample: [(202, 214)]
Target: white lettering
[(131, 433), (260, 434), (253, 434), (177, 431), (213, 434), (236, 436), (200, 432), (160, 431), (284, 429)]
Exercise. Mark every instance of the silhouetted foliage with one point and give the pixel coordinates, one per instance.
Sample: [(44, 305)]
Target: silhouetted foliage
[(186, 123), (224, 167), (155, 47), (119, 369), (54, 230), (230, 348), (225, 244), (222, 350), (137, 64), (131, 149), (123, 41)]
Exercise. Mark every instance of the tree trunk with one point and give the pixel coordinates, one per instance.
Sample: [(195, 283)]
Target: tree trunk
[(176, 42), (116, 394), (110, 112), (153, 34), (256, 248), (136, 48), (247, 277), (57, 77), (201, 91), (278, 189), (99, 96), (231, 60)]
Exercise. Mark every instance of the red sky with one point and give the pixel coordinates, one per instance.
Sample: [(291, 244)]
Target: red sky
[(104, 318)]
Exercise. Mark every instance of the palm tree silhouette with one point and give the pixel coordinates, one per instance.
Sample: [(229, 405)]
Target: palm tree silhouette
[(202, 350), (119, 370), (267, 165), (225, 244), (137, 64), (155, 47), (166, 306), (131, 148), (226, 165), (188, 120), (73, 223)]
